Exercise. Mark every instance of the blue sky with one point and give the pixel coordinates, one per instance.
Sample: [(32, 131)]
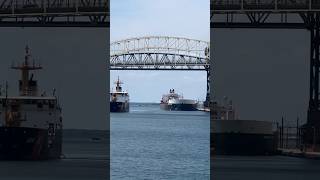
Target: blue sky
[(182, 18)]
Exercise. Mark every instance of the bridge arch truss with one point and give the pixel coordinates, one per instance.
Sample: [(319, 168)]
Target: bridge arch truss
[(159, 53)]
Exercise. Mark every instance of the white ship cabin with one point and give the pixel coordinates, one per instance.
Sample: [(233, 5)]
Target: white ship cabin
[(29, 109), (41, 102), (172, 95), (223, 111), (118, 95)]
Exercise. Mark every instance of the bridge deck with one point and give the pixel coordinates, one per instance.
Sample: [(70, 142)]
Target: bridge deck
[(54, 13), (242, 6)]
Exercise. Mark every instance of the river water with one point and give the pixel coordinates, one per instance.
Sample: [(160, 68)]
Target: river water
[(264, 168), (150, 143), (86, 158)]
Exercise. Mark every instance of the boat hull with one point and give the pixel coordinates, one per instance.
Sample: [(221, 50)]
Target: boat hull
[(178, 107), (242, 137), (21, 143), (119, 107), (242, 144)]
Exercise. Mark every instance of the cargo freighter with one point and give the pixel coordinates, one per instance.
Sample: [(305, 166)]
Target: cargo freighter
[(232, 136), (30, 124), (119, 100), (175, 102)]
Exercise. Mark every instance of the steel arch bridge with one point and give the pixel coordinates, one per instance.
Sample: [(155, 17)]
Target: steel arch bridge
[(161, 53)]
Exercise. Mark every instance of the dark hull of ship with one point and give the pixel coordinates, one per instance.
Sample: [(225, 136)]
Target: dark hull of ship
[(179, 107), (21, 143), (242, 144), (119, 107)]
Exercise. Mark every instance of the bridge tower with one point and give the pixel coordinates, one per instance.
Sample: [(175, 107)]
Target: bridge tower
[(312, 127), (207, 101), (207, 68)]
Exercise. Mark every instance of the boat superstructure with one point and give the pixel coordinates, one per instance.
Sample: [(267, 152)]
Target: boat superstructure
[(175, 102), (119, 99), (224, 111), (30, 123)]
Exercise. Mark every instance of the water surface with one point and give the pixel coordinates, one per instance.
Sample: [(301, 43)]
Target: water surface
[(150, 143), (86, 158)]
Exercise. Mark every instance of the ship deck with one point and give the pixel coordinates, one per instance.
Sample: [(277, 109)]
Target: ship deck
[(29, 97)]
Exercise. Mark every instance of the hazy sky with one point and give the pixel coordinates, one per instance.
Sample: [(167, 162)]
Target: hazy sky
[(74, 62), (182, 18), (264, 72)]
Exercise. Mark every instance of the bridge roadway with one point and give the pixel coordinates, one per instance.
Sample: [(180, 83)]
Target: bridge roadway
[(54, 13), (290, 14)]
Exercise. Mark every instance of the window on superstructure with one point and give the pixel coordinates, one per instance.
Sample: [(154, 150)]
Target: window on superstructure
[(51, 104), (14, 107), (39, 104), (27, 101), (3, 103)]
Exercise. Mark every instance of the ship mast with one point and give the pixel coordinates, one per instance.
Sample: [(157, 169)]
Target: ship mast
[(118, 87), (27, 87)]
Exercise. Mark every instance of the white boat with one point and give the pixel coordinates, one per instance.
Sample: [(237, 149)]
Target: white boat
[(175, 102), (119, 100), (30, 123)]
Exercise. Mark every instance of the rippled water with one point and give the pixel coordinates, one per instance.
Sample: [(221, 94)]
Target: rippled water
[(149, 143)]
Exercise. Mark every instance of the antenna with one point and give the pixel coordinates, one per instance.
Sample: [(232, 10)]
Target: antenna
[(6, 104), (25, 87), (6, 91), (54, 92)]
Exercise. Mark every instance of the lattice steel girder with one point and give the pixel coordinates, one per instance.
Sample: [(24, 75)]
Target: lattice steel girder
[(314, 21), (162, 68), (286, 14), (280, 6), (259, 20), (41, 13), (158, 60), (161, 44)]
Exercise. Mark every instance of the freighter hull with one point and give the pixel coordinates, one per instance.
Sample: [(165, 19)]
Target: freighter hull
[(119, 107), (242, 137), (178, 107), (20, 143), (242, 144)]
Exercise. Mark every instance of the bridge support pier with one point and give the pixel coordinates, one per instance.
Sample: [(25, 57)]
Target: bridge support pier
[(207, 102), (312, 128)]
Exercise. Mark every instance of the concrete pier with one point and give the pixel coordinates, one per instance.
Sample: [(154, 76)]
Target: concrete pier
[(299, 153)]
